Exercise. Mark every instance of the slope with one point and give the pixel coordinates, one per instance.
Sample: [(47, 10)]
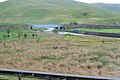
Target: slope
[(51, 11)]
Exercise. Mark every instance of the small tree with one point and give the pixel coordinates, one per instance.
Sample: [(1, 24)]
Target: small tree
[(55, 30), (75, 23), (19, 34), (4, 39), (85, 13), (8, 31)]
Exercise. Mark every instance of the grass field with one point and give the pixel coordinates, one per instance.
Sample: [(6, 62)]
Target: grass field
[(3, 77), (39, 29), (96, 30), (83, 55)]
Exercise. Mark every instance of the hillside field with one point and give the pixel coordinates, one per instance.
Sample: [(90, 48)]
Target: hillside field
[(56, 12)]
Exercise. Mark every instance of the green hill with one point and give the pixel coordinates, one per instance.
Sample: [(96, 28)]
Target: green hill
[(55, 11), (112, 7)]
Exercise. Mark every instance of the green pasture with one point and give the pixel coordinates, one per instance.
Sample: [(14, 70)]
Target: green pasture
[(39, 29), (3, 77), (19, 34), (96, 30)]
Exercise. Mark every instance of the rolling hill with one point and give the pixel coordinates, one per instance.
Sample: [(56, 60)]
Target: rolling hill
[(57, 11)]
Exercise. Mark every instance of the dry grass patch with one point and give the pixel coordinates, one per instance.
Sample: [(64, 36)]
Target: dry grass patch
[(63, 54)]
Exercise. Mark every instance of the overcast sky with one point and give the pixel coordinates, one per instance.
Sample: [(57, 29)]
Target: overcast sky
[(2, 0), (100, 1), (92, 1)]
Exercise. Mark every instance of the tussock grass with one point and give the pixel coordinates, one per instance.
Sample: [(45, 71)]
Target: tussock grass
[(84, 55)]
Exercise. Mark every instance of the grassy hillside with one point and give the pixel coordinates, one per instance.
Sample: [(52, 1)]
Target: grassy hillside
[(112, 7), (53, 11)]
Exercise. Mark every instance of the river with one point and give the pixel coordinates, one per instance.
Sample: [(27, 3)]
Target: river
[(50, 30)]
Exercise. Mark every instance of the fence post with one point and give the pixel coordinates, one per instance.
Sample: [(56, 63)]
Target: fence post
[(19, 76)]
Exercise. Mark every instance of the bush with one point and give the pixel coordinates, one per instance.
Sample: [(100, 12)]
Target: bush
[(55, 30)]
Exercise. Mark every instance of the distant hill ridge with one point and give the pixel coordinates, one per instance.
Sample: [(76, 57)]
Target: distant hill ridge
[(57, 11)]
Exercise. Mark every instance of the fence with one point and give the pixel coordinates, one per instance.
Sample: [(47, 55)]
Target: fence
[(93, 26)]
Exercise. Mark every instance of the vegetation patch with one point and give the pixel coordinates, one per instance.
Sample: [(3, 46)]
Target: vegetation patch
[(49, 58), (59, 53), (82, 30)]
